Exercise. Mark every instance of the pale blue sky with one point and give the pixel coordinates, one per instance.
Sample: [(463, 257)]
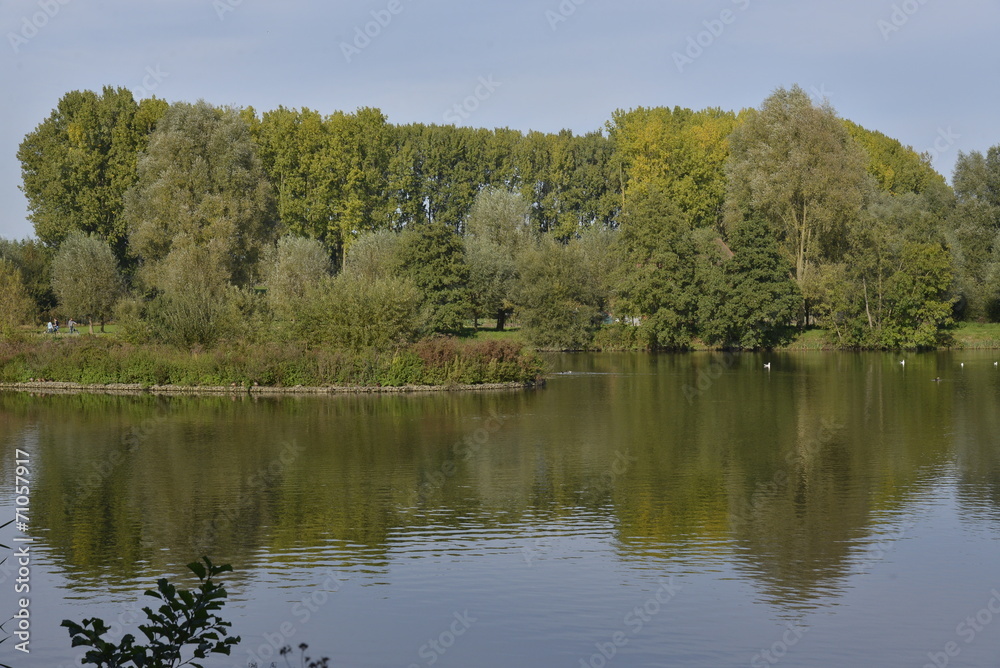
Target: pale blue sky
[(927, 74)]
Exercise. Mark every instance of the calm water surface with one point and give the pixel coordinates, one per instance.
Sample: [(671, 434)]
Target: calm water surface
[(698, 510)]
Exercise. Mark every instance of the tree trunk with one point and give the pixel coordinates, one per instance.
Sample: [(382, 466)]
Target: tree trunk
[(868, 310), (90, 322), (501, 319)]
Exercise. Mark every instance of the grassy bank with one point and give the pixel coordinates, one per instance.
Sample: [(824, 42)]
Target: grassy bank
[(977, 336), (103, 360)]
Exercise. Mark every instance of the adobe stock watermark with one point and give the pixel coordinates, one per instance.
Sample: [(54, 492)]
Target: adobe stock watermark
[(967, 630), (365, 34), (877, 551), (779, 648), (464, 449), (150, 82), (714, 28), (900, 16), (707, 377), (264, 478), (437, 647), (745, 512), (562, 13), (820, 95), (302, 611), (634, 621), (33, 24), (944, 142), (223, 7), (464, 109)]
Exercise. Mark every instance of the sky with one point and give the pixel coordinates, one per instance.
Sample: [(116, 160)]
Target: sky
[(922, 71)]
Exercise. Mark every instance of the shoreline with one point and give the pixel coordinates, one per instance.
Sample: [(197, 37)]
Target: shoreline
[(57, 387)]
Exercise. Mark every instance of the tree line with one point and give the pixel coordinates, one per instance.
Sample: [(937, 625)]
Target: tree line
[(190, 224)]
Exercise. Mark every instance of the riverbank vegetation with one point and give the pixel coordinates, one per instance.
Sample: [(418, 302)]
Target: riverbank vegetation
[(106, 360), (343, 243)]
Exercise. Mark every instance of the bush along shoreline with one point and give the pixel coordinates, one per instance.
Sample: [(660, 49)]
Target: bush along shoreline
[(432, 363)]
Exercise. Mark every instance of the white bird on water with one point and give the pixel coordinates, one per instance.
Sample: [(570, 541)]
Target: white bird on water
[(902, 362), (767, 365)]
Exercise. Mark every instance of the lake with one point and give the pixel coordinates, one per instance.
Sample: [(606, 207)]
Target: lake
[(640, 510)]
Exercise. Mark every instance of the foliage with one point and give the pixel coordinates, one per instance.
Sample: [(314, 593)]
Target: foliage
[(15, 305), (97, 360), (796, 165), (894, 289), (353, 313), (374, 255), (974, 234), (496, 233), (655, 279), (749, 300), (77, 164), (85, 278), (897, 169), (34, 260), (679, 152), (331, 172), (186, 619), (559, 300), (294, 265), (201, 183), (486, 222), (196, 305), (433, 257)]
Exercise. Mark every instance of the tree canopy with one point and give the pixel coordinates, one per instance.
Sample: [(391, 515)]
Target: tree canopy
[(678, 226)]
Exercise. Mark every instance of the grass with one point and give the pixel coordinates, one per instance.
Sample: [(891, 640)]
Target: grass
[(509, 334), (102, 360), (810, 339), (977, 336)]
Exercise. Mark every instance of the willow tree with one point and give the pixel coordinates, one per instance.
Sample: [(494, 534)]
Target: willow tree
[(497, 232), (85, 278), (201, 183), (795, 164)]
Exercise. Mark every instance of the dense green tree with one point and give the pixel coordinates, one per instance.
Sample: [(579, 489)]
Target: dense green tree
[(896, 168), (196, 305), (433, 256), (375, 255), (497, 231), (749, 299), (680, 152), (656, 280), (296, 151), (559, 302), (796, 165), (977, 177), (295, 265), (77, 164), (974, 234), (34, 260), (893, 289), (15, 303), (201, 181), (356, 313), (85, 278)]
